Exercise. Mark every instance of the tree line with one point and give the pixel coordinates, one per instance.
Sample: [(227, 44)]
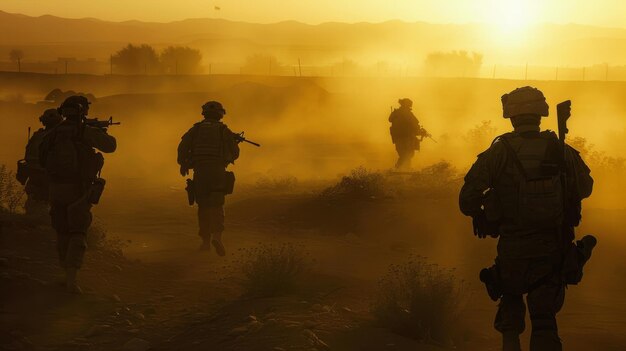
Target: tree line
[(144, 59)]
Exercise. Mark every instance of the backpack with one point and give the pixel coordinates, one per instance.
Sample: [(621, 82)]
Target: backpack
[(540, 197), (66, 158)]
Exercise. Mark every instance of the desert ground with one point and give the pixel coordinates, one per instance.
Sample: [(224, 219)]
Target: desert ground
[(320, 183)]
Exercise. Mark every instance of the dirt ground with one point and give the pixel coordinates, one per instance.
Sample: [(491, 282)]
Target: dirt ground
[(164, 294)]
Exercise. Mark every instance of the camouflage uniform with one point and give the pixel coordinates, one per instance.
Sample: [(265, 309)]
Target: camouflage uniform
[(37, 184), (530, 257), (404, 131), (70, 203), (207, 148)]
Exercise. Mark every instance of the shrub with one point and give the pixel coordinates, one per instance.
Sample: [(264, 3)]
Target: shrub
[(419, 300), (11, 192), (360, 184), (271, 270)]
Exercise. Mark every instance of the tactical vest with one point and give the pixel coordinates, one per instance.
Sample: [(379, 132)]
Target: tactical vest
[(207, 145), (529, 188)]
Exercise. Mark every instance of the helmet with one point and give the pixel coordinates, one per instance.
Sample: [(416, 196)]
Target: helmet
[(212, 107), (74, 105), (524, 101), (405, 102), (50, 117)]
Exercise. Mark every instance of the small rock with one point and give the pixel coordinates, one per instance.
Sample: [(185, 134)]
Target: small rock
[(251, 319), (347, 309), (140, 316), (116, 298), (128, 323), (327, 309), (136, 344), (238, 331)]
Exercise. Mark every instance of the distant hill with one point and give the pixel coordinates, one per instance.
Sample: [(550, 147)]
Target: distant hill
[(48, 37)]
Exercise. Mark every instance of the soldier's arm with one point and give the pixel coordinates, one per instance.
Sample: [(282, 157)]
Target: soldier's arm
[(231, 146), (99, 139), (578, 173), (480, 178), (184, 147)]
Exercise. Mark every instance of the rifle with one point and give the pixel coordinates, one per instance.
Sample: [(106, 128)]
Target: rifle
[(94, 122), (240, 138), (571, 206), (426, 134)]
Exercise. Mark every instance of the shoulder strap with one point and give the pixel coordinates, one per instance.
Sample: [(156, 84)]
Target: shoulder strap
[(513, 155)]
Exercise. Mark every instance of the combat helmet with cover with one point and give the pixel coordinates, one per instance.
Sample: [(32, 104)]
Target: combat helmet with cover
[(50, 118), (213, 109), (75, 106), (524, 101)]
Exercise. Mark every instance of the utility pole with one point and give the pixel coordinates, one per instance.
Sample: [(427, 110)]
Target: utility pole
[(111, 64), (299, 67), (556, 75), (526, 75)]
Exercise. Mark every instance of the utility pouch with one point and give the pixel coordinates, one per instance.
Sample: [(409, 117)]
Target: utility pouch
[(191, 197), (97, 188), (229, 182), (22, 172)]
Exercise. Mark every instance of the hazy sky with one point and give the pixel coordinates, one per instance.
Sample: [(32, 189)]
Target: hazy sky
[(610, 13)]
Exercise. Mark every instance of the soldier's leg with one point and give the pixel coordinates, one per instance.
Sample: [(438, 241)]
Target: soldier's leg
[(216, 214), (204, 219), (510, 321), (543, 304), (79, 219), (58, 218)]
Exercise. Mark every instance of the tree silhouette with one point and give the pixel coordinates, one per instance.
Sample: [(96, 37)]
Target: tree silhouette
[(181, 60), (454, 63), (136, 59), (16, 56)]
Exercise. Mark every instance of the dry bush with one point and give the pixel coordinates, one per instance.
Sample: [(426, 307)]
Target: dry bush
[(360, 184), (597, 160), (271, 270), (98, 240), (439, 175), (480, 136), (11, 192), (420, 300)]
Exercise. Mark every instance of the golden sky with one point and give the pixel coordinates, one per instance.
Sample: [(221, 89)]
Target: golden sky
[(609, 13)]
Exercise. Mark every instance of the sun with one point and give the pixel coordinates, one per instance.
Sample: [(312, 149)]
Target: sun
[(511, 18)]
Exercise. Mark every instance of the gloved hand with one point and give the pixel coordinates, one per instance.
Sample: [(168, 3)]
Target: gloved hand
[(483, 227), (184, 170)]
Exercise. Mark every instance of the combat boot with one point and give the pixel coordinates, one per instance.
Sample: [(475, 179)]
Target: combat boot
[(217, 243), (71, 284)]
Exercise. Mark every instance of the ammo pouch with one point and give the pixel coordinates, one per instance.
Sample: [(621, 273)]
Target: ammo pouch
[(229, 182), (22, 173), (96, 190)]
